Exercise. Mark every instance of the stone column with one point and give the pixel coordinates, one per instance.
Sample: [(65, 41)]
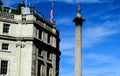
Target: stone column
[(78, 49)]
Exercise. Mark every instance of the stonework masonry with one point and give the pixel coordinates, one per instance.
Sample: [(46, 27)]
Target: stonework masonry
[(29, 43), (78, 47)]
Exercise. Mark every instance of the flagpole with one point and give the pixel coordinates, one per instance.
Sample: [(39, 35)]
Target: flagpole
[(26, 3), (52, 4)]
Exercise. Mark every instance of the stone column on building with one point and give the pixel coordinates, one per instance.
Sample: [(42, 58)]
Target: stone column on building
[(78, 47)]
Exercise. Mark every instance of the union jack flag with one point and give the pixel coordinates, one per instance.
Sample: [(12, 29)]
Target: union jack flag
[(51, 15)]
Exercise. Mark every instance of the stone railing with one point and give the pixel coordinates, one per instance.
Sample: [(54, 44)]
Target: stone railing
[(44, 25), (6, 15)]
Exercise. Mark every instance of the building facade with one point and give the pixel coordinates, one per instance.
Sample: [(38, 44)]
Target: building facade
[(29, 43)]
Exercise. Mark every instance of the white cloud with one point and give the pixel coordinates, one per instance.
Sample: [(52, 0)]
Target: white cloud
[(69, 1), (100, 58), (84, 1), (68, 53), (69, 60), (66, 71), (76, 1), (9, 2), (97, 34), (108, 65), (101, 71), (79, 1), (67, 35), (67, 43), (67, 47), (88, 1), (64, 21)]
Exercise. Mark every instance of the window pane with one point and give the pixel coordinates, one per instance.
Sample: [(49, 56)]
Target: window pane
[(40, 34), (5, 46), (4, 65), (6, 28), (6, 9), (48, 38)]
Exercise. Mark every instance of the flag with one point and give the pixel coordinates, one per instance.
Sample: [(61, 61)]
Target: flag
[(51, 15), (52, 12)]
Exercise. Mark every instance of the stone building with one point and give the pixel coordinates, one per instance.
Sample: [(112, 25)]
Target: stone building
[(29, 43)]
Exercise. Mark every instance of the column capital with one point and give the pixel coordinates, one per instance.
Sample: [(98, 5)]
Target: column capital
[(78, 20)]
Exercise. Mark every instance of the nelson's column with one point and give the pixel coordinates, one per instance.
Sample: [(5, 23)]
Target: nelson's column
[(78, 49)]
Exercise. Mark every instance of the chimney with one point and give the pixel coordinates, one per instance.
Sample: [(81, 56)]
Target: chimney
[(19, 7)]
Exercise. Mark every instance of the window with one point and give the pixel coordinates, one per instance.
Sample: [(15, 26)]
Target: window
[(51, 40), (40, 53), (48, 38), (39, 69), (40, 34), (6, 28), (6, 9), (45, 37), (54, 40), (4, 65), (49, 55), (24, 17), (5, 46), (48, 70)]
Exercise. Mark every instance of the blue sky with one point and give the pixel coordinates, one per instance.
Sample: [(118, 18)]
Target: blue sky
[(101, 34)]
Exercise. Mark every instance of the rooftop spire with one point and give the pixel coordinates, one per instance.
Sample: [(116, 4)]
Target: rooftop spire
[(79, 11)]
